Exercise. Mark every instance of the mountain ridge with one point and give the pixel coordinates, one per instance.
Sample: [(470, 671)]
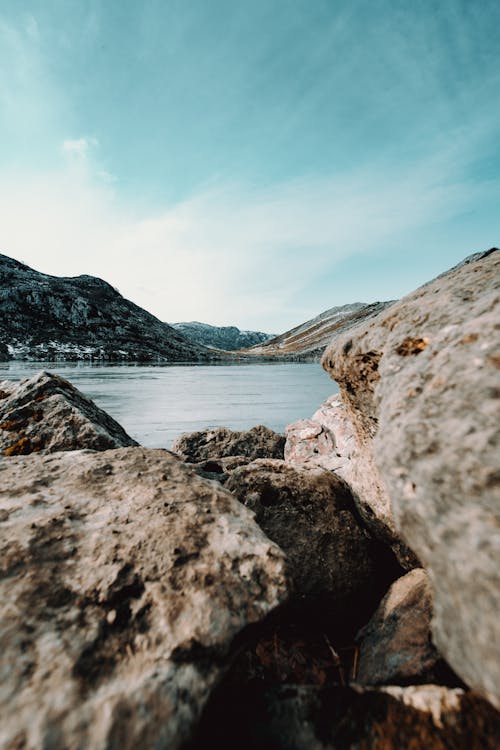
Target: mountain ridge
[(307, 341), (227, 338), (46, 317)]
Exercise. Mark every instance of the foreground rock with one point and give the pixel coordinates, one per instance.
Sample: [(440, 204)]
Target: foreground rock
[(395, 648), (220, 468), (125, 578), (328, 440), (420, 386), (46, 413), (258, 442), (309, 514), (334, 718)]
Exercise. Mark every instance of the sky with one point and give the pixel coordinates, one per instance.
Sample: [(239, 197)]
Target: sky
[(249, 163)]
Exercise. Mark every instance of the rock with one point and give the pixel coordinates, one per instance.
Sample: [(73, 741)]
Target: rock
[(328, 440), (220, 468), (420, 385), (220, 442), (309, 444), (46, 413), (124, 580), (353, 718), (395, 648), (7, 388), (310, 515)]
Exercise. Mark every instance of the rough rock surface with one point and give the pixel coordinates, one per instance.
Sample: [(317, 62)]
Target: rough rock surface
[(325, 440), (310, 515), (425, 717), (328, 440), (220, 442), (47, 413), (395, 647), (220, 468), (124, 579), (420, 384)]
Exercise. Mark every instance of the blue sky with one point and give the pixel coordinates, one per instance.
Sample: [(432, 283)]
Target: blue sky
[(249, 163)]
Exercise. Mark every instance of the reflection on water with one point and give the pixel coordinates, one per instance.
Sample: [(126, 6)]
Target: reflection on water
[(156, 403)]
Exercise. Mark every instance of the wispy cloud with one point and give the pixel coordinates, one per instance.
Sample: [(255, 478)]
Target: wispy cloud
[(231, 253), (78, 148), (240, 249)]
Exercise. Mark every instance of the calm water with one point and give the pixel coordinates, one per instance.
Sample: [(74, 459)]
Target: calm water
[(155, 404)]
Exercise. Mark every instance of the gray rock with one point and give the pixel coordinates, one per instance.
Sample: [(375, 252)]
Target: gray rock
[(310, 444), (310, 515), (220, 442), (420, 385), (124, 580), (422, 717), (220, 468), (395, 647), (328, 440), (47, 413)]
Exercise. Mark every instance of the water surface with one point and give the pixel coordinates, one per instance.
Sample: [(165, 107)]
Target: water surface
[(156, 403)]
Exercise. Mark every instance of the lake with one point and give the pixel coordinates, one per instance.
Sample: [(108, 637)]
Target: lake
[(156, 403)]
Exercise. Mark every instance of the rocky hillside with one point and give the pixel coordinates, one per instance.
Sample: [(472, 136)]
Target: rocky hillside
[(308, 341), (48, 318), (228, 338)]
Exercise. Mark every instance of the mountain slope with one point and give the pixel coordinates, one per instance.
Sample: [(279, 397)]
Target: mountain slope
[(220, 337), (47, 317), (307, 341)]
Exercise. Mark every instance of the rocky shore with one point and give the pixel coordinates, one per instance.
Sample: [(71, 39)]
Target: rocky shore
[(336, 588)]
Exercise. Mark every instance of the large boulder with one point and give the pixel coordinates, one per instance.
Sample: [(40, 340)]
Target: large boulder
[(47, 413), (220, 468), (124, 580), (220, 442), (311, 516), (395, 647), (420, 386), (328, 440), (290, 717), (325, 440)]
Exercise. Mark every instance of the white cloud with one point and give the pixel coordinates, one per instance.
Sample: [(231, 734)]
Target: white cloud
[(78, 148), (80, 155), (227, 255)]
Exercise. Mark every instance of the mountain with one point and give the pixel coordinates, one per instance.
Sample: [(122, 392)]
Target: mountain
[(46, 317), (221, 337), (307, 341)]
